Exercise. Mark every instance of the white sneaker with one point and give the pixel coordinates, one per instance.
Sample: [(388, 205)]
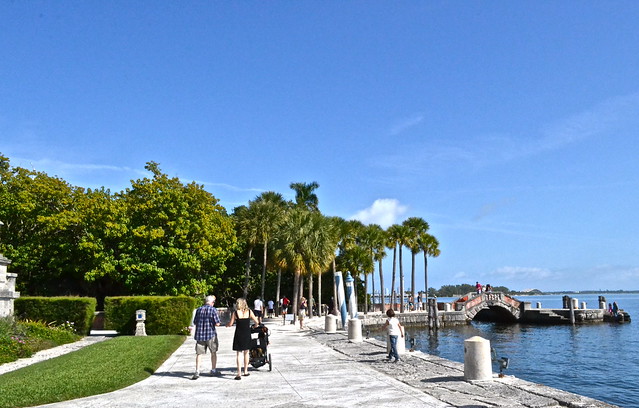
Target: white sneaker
[(195, 376)]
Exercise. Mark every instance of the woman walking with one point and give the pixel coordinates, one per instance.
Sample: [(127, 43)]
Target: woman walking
[(242, 337)]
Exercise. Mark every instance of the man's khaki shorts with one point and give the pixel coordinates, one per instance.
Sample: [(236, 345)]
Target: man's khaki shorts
[(211, 344)]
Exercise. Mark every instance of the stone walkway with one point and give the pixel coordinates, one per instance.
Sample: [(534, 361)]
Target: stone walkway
[(314, 369)]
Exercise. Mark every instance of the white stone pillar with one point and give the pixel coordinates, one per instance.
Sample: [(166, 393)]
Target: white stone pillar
[(330, 323), (583, 305), (355, 330), (477, 359)]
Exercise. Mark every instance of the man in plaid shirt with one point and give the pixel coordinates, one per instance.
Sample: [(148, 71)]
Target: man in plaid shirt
[(205, 320)]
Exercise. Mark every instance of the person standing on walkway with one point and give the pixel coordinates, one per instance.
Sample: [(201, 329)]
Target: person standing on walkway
[(205, 320), (258, 309), (271, 305), (242, 338), (302, 312), (395, 330)]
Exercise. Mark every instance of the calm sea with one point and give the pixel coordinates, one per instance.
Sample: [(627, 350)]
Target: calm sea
[(597, 360)]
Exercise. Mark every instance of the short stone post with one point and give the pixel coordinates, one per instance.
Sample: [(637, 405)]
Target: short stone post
[(583, 305), (140, 317), (538, 305), (355, 330), (330, 323), (477, 359)]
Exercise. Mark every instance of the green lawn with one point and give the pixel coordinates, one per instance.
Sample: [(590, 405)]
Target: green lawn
[(96, 369)]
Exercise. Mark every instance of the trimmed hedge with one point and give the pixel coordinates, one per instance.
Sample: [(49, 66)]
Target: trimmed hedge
[(164, 314), (79, 310)]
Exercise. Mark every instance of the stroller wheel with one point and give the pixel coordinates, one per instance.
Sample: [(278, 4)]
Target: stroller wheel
[(270, 363)]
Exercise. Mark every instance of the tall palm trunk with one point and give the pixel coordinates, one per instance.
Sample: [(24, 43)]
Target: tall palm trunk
[(381, 286), (393, 277), (401, 280), (248, 270), (319, 294), (426, 277), (365, 293), (296, 292), (335, 310), (412, 279), (311, 301), (277, 294), (373, 279), (263, 272)]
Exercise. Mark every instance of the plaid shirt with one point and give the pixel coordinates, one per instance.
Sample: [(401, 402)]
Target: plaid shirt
[(205, 320)]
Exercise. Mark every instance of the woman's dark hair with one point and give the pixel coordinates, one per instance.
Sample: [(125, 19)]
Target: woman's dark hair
[(390, 313)]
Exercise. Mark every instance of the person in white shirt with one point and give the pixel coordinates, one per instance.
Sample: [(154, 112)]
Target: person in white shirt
[(395, 330), (271, 306), (258, 309)]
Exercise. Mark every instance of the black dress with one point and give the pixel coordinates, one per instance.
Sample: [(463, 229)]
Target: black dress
[(242, 337)]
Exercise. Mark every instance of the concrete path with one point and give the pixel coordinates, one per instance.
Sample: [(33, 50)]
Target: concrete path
[(305, 374)]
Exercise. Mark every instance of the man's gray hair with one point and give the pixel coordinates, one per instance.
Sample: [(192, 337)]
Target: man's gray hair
[(210, 299)]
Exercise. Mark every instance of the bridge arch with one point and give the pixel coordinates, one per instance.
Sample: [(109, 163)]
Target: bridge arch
[(491, 306)]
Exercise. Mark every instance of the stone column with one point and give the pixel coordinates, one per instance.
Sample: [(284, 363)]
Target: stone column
[(7, 288), (477, 359)]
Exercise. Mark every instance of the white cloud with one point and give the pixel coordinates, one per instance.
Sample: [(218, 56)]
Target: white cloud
[(521, 273), (405, 124), (384, 211)]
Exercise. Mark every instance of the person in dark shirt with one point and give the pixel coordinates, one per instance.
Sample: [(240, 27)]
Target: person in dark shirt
[(205, 320)]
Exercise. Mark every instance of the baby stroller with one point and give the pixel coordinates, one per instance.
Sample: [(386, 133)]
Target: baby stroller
[(258, 354)]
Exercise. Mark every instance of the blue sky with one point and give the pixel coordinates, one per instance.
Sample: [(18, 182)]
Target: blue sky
[(511, 127)]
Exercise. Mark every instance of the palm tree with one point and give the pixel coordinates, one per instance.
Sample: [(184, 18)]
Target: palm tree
[(304, 195), (270, 213), (373, 240), (430, 246), (304, 246), (391, 243), (248, 231), (399, 234), (416, 227)]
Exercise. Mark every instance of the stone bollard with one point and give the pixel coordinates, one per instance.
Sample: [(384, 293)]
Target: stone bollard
[(448, 307), (538, 305), (355, 331), (575, 303), (602, 305), (583, 305), (477, 359), (401, 345), (140, 316), (330, 323)]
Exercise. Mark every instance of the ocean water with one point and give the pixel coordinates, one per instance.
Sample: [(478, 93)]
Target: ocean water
[(596, 360)]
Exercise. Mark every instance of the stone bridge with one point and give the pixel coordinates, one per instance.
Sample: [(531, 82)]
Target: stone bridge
[(488, 306)]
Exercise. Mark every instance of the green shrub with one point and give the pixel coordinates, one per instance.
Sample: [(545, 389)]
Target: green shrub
[(164, 314), (58, 310)]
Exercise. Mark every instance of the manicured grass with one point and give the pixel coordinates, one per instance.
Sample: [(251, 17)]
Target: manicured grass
[(95, 369)]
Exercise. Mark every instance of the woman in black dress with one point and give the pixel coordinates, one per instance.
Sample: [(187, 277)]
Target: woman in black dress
[(242, 338)]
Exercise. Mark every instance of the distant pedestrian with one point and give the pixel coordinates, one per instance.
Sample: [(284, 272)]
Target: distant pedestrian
[(242, 338), (478, 287), (394, 329), (285, 302), (610, 309), (271, 305), (205, 320), (302, 311), (258, 309), (615, 309)]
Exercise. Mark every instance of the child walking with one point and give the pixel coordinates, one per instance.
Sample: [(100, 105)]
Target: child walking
[(395, 329)]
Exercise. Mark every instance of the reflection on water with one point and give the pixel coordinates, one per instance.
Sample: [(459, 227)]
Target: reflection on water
[(596, 360)]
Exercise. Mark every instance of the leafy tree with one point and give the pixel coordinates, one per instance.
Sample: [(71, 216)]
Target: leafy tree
[(178, 238), (399, 235)]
